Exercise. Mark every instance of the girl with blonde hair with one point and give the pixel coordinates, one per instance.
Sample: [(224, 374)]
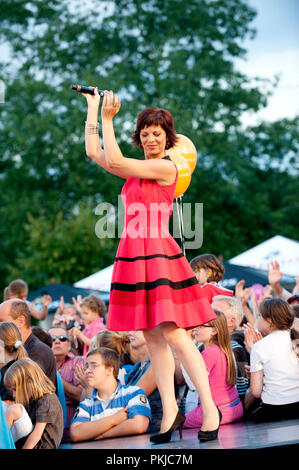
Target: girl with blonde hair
[(221, 367), (34, 390)]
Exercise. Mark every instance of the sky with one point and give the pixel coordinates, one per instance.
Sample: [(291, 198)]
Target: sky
[(275, 50)]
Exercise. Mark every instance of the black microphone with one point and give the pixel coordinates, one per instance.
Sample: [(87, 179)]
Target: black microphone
[(86, 89)]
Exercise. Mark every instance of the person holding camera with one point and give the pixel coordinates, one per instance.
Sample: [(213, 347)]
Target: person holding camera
[(66, 363)]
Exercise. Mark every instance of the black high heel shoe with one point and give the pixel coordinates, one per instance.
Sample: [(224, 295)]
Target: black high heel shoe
[(205, 436), (164, 437)]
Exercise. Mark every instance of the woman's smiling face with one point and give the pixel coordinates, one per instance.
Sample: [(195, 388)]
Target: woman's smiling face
[(153, 140)]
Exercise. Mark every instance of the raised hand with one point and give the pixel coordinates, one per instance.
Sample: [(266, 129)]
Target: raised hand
[(93, 101), (61, 306), (241, 293), (274, 273), (110, 106), (77, 303), (47, 299)]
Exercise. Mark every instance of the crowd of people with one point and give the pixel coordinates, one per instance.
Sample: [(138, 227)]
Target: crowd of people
[(80, 381)]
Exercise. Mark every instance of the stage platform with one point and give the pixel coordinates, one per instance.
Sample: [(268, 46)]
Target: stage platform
[(242, 435)]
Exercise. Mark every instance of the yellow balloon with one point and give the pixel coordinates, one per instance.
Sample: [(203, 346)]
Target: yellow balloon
[(186, 149), (184, 173)]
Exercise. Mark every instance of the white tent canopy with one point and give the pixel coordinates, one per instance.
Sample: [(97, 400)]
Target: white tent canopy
[(100, 280), (278, 248)]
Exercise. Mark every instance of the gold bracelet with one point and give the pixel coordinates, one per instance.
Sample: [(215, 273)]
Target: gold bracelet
[(91, 128)]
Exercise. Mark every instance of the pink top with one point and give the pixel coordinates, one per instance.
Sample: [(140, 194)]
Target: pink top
[(91, 330), (216, 365)]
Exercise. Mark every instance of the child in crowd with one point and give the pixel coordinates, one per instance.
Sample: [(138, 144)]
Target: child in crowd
[(209, 271), (221, 367), (274, 364), (18, 289), (92, 312), (118, 342), (46, 338), (35, 391), (113, 410), (11, 350)]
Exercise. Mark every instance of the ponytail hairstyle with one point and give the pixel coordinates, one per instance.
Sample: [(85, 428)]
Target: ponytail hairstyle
[(222, 339), (29, 381), (282, 317), (12, 340), (117, 341)]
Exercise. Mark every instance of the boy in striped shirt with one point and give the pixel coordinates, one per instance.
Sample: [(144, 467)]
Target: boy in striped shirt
[(113, 410)]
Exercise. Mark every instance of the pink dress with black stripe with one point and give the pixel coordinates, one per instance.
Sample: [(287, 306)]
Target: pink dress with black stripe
[(152, 281)]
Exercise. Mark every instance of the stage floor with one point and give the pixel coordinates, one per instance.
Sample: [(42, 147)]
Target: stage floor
[(243, 435)]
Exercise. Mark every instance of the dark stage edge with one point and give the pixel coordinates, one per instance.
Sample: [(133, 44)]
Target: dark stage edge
[(242, 435)]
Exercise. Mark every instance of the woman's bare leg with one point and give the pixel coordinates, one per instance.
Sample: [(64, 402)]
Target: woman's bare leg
[(163, 368), (193, 363)]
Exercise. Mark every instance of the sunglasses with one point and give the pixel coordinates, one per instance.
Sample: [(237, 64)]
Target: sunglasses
[(60, 338)]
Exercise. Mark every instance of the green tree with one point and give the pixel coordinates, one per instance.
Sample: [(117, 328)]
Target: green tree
[(175, 54), (61, 249)]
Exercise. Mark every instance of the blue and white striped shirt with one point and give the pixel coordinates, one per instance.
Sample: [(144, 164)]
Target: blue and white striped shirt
[(94, 408)]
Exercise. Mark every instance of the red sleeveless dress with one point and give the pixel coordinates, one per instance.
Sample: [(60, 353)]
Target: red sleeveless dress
[(152, 281)]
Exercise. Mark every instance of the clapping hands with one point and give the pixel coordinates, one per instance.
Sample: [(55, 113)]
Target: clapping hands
[(81, 376), (251, 336)]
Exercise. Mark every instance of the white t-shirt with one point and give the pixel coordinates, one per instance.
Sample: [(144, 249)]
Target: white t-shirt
[(22, 427), (275, 356)]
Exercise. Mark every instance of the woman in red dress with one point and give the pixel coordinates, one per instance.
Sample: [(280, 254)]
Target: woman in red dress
[(153, 288)]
